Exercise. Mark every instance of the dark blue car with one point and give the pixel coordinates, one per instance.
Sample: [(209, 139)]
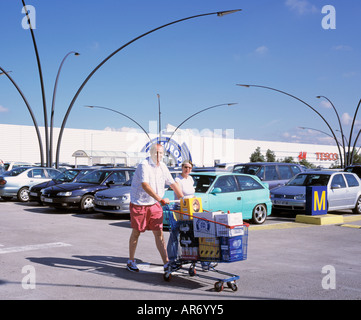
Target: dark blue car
[(80, 194), (70, 175)]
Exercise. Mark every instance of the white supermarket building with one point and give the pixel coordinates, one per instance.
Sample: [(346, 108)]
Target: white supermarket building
[(88, 147)]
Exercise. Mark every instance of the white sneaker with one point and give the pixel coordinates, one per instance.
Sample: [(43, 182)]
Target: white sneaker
[(132, 266)]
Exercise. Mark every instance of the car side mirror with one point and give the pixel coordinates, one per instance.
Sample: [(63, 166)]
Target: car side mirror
[(335, 186), (216, 190), (110, 183)]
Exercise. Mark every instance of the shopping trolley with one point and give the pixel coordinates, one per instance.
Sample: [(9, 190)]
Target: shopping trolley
[(200, 242)]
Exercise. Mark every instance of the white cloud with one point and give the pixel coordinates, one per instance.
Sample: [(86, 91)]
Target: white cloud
[(301, 6), (261, 50), (346, 119), (342, 47), (326, 104), (3, 109), (349, 74)]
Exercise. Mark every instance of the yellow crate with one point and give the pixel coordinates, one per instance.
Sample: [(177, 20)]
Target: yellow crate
[(190, 206), (209, 249)]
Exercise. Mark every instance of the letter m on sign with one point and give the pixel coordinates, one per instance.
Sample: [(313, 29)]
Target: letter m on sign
[(319, 203), (316, 200)]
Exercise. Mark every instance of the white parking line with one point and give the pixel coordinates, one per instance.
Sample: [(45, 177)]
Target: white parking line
[(34, 247)]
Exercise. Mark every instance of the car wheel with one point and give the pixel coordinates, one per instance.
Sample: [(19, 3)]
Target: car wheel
[(259, 214), (23, 194), (357, 209), (87, 203)]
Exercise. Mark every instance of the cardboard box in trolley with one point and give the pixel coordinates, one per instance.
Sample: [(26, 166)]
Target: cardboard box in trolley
[(233, 249), (209, 249), (234, 220), (190, 206), (204, 224)]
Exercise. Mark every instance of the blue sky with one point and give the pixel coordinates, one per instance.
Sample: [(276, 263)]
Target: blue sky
[(192, 65)]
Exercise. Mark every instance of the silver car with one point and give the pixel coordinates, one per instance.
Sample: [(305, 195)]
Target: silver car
[(16, 182), (113, 201), (343, 191), (116, 200)]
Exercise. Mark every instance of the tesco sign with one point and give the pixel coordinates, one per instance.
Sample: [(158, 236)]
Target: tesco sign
[(325, 156)]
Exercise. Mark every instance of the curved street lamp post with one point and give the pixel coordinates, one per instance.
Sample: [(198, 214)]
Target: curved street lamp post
[(31, 114), (53, 105), (219, 14), (124, 115), (292, 96), (194, 114)]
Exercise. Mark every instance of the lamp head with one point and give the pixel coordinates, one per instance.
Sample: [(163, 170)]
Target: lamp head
[(223, 13)]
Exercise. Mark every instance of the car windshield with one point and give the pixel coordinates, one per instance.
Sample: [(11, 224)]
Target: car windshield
[(67, 176), (95, 177), (309, 180), (14, 172), (248, 169), (202, 183)]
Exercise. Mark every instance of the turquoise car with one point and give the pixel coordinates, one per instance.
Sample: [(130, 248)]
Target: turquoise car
[(233, 192)]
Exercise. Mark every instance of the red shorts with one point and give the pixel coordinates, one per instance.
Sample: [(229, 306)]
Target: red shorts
[(146, 217)]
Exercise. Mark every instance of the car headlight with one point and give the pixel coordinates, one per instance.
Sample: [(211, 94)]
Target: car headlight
[(300, 197), (121, 198), (64, 194)]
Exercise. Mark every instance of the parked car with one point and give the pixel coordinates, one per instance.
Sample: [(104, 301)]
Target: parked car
[(81, 193), (113, 201), (274, 173), (70, 175), (116, 200), (354, 169), (233, 192), (218, 190), (343, 191), (15, 164), (16, 182)]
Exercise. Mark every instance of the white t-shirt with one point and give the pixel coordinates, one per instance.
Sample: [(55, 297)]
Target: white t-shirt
[(155, 176), (186, 186)]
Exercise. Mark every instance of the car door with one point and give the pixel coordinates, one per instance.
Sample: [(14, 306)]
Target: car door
[(337, 194), (224, 195), (271, 176), (285, 174), (251, 193), (37, 175), (353, 189)]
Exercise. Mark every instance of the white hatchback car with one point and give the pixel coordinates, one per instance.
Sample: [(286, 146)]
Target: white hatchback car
[(16, 182), (343, 191)]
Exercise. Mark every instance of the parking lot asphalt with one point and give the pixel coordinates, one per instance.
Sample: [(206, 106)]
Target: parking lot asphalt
[(46, 254)]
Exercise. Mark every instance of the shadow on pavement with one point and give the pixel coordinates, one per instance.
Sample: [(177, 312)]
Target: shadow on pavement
[(116, 267)]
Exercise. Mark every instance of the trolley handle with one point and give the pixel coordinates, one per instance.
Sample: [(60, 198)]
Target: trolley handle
[(220, 223)]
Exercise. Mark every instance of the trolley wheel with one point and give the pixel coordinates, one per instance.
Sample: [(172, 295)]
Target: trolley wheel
[(232, 285), (167, 276), (192, 271), (218, 286)]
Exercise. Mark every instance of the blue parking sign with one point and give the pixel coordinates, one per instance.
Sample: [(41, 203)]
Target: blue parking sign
[(316, 200)]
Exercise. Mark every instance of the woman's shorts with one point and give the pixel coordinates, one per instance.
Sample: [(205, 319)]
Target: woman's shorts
[(144, 218)]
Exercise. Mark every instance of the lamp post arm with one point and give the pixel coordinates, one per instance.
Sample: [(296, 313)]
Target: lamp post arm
[(349, 141), (327, 134), (41, 84), (354, 146), (194, 114), (124, 115), (319, 114), (111, 55), (340, 125), (31, 114), (53, 107)]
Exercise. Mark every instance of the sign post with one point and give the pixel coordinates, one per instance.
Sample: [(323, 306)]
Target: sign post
[(316, 200)]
